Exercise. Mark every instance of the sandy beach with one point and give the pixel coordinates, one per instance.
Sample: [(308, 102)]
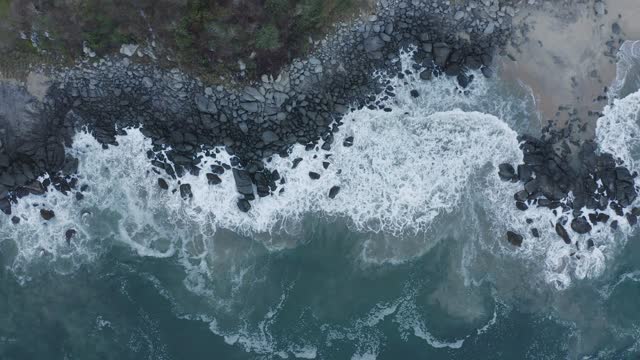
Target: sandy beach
[(565, 53)]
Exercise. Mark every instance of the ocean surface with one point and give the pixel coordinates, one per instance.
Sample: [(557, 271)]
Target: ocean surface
[(409, 261)]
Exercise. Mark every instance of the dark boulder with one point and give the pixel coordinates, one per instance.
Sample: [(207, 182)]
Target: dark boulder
[(15, 220), (521, 195), (163, 184), (296, 161), (244, 205), (632, 219), (69, 234), (464, 80), (603, 218), (506, 172), (521, 206), (415, 93), (47, 214), (5, 206), (213, 179), (217, 169), (514, 239), (314, 175), (524, 173), (262, 184), (333, 192), (614, 224), (348, 141), (535, 232), (243, 181), (426, 75), (562, 232), (185, 191), (580, 225)]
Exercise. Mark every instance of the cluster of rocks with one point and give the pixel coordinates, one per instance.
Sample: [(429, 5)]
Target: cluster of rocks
[(184, 117), (581, 184)]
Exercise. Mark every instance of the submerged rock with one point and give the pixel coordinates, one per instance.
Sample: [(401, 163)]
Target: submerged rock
[(185, 191), (580, 225), (69, 234), (213, 179), (514, 239), (562, 232), (163, 184), (333, 192), (506, 172), (244, 205), (47, 214)]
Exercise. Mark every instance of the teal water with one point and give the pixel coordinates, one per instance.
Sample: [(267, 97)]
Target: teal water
[(409, 261), (123, 307)]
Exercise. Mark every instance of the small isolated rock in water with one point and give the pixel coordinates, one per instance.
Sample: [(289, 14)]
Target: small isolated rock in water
[(521, 205), (535, 232), (15, 220), (296, 161), (69, 235), (616, 28), (590, 243), (244, 205), (314, 175), (79, 196), (213, 179), (415, 93), (614, 224), (333, 192), (185, 191), (464, 80), (632, 219), (580, 225), (562, 232), (506, 172), (348, 141), (514, 239), (47, 214), (163, 184)]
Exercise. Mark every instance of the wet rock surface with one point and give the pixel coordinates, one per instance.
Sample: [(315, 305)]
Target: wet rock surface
[(183, 117), (579, 183)]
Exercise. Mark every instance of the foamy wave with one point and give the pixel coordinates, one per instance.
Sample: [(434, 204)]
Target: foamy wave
[(627, 70), (618, 131)]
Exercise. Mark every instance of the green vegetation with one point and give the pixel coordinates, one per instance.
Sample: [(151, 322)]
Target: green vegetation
[(5, 7), (277, 8), (101, 31), (205, 37), (267, 38)]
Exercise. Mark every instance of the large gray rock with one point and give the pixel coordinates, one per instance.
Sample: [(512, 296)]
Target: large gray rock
[(243, 181), (373, 44)]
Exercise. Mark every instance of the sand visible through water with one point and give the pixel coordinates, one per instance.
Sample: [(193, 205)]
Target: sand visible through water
[(565, 53)]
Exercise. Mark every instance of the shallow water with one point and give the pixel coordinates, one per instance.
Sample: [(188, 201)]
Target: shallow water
[(409, 260)]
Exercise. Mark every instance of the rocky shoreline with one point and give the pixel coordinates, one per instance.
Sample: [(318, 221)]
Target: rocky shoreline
[(184, 116), (302, 105)]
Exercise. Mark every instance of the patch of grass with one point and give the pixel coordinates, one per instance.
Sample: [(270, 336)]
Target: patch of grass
[(268, 37), (277, 8), (5, 8), (102, 31)]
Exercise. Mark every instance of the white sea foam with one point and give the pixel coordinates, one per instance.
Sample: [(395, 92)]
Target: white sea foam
[(627, 70), (413, 174)]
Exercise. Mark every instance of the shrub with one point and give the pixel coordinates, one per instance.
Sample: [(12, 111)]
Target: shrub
[(268, 38)]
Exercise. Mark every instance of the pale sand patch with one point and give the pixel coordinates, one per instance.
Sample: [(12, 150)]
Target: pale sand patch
[(565, 59), (38, 84)]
